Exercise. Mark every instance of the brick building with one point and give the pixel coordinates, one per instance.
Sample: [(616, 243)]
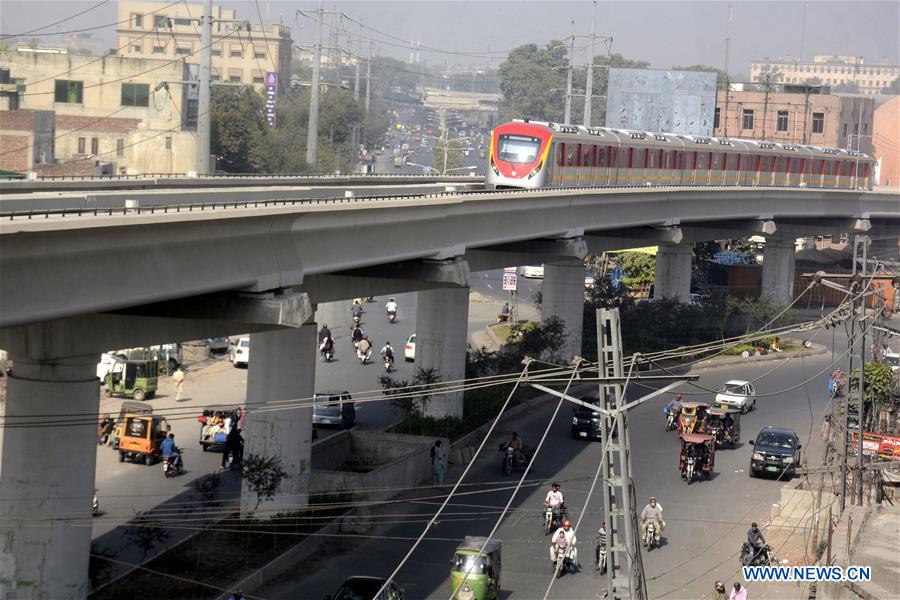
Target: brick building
[(796, 114), (886, 138), (242, 51), (120, 114)]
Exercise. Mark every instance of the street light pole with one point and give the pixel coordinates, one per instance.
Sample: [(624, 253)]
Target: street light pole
[(567, 117), (204, 119), (312, 130), (589, 84)]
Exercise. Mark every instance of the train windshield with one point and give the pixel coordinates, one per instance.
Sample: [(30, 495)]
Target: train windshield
[(518, 148)]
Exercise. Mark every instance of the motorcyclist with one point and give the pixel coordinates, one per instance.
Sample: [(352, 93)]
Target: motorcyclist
[(327, 344), (558, 544), (652, 512), (755, 539), (503, 316), (170, 451), (674, 408), (515, 442), (390, 307), (837, 381), (356, 311), (324, 333), (357, 335), (388, 352), (365, 348), (569, 533), (554, 497)]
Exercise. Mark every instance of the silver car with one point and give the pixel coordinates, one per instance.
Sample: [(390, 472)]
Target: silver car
[(737, 393), (334, 409)]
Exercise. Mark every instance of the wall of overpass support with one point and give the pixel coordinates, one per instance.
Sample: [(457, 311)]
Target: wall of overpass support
[(442, 320), (282, 368), (562, 296), (778, 270), (47, 478), (673, 272)]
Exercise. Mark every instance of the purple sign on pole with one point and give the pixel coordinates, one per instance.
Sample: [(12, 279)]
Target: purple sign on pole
[(271, 84)]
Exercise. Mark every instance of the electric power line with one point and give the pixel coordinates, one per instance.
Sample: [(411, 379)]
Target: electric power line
[(95, 27)]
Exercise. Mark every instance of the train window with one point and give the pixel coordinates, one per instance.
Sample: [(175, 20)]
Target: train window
[(602, 156), (796, 165), (587, 155), (571, 155), (518, 148), (781, 165), (864, 170), (652, 159), (614, 157), (836, 168), (638, 158), (670, 159), (749, 162), (688, 159), (703, 160), (847, 170), (625, 157), (766, 164), (732, 162), (560, 155)]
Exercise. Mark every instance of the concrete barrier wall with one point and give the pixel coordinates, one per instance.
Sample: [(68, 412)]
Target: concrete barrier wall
[(331, 452)]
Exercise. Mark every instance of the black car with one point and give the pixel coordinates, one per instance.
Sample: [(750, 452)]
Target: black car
[(775, 450), (364, 588), (586, 422)]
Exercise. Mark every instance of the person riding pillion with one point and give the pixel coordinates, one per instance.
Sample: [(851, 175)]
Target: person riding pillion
[(388, 351), (652, 512), (569, 533)]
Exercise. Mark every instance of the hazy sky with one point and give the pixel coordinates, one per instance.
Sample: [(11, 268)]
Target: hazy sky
[(666, 33)]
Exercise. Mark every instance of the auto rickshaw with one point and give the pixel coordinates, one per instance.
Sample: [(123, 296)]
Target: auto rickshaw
[(698, 456), (475, 572), (141, 438), (213, 430), (135, 378), (132, 407), (725, 424), (693, 416)]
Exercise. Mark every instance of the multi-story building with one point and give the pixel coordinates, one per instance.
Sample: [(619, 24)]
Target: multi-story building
[(122, 113), (242, 50), (869, 78), (800, 115), (886, 138)]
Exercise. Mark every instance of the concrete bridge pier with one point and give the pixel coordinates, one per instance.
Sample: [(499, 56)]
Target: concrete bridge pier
[(673, 272), (441, 339), (282, 369), (778, 270), (47, 477), (562, 296)]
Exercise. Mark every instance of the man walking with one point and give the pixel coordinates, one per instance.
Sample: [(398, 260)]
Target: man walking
[(178, 379), (437, 463)]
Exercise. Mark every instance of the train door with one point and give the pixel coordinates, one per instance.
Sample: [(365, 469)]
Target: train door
[(601, 165), (732, 168), (588, 151), (748, 169), (701, 169)]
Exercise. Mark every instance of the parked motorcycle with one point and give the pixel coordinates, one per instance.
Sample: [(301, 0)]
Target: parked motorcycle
[(173, 467), (763, 558)]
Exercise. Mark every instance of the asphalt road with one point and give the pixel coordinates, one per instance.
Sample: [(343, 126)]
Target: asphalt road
[(706, 521)]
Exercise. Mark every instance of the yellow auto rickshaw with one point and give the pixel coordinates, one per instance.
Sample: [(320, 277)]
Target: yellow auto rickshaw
[(693, 416), (142, 435)]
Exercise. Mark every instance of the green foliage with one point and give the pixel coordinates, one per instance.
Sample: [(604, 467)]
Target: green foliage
[(454, 153), (263, 475), (640, 266), (878, 384), (846, 88), (424, 381), (722, 78), (146, 534), (238, 125)]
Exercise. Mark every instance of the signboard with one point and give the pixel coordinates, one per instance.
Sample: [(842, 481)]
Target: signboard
[(882, 446), (732, 257), (271, 85), (510, 279)]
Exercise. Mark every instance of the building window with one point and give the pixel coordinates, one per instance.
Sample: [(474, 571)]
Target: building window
[(183, 49), (818, 122), (81, 145), (95, 146), (234, 78), (782, 121), (69, 92), (217, 50), (748, 119), (214, 77), (135, 94), (160, 21), (137, 19), (168, 142), (236, 52), (120, 147), (865, 129), (844, 132), (716, 118), (182, 21), (159, 49), (258, 79), (259, 54), (136, 46), (20, 87)]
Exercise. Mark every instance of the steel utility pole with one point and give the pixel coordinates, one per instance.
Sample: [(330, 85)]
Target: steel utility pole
[(567, 118), (860, 243), (369, 74), (444, 133), (312, 130), (589, 83), (624, 574), (204, 118)]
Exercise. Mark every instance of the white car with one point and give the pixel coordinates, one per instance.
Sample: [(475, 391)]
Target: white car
[(240, 352), (409, 349), (532, 271), (737, 394), (107, 360), (892, 357)]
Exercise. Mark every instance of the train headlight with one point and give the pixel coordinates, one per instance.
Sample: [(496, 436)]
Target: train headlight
[(494, 166), (536, 170)]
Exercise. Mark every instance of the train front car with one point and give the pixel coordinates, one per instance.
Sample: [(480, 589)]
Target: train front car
[(518, 156)]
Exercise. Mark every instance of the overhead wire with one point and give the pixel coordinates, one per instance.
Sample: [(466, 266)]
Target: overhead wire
[(95, 27)]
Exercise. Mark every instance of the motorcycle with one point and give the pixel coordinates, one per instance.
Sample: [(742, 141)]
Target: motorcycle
[(670, 419), (651, 537), (836, 387), (95, 507), (392, 316), (564, 562), (763, 558), (509, 460), (357, 318), (553, 518), (501, 318), (601, 558), (689, 469), (388, 363), (173, 467), (326, 353), (363, 357)]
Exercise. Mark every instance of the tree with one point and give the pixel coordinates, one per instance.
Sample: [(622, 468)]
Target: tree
[(411, 403), (530, 80), (639, 266), (238, 123), (263, 475), (454, 156), (877, 390), (722, 78)]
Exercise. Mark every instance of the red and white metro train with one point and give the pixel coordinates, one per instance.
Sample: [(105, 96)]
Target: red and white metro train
[(532, 154)]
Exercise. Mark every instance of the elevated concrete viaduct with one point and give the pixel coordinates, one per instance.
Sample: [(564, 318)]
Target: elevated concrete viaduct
[(73, 285)]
